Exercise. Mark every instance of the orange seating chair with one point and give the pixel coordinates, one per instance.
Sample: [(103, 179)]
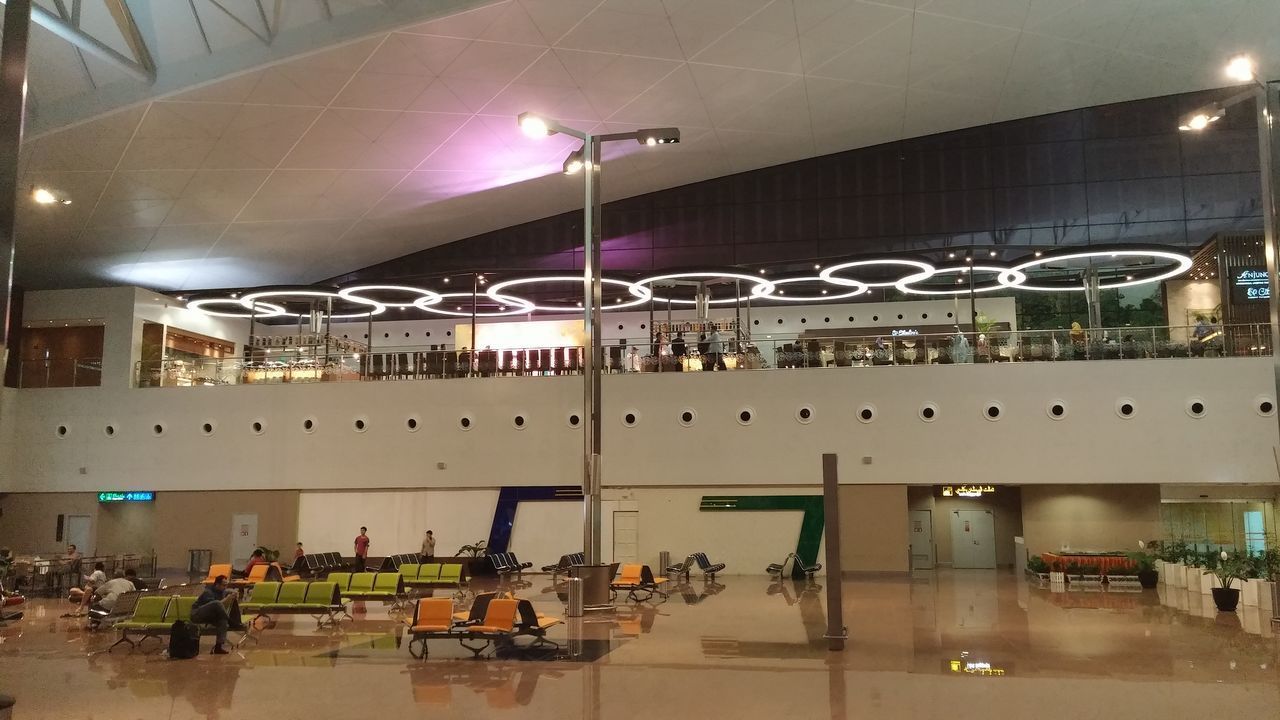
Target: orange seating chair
[(639, 582), (432, 618), (223, 569)]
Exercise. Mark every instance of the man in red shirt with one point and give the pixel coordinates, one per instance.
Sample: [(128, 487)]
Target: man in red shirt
[(362, 549)]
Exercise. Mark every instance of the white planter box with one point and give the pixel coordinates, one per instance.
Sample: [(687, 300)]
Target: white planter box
[(1265, 590), (1159, 568), (1208, 581), (1057, 577), (1173, 576), (1191, 578), (1249, 593)]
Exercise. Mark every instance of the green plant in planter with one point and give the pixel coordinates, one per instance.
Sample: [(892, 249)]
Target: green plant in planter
[(1075, 568), (1037, 565), (1229, 567), (1142, 562), (475, 550), (1132, 567), (270, 555), (1173, 551), (1090, 569), (1267, 564)]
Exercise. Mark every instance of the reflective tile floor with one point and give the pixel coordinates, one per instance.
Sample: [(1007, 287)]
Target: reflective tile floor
[(951, 644)]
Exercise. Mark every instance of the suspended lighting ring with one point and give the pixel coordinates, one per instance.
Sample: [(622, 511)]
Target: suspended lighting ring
[(858, 288), (495, 292), (259, 310), (248, 300), (1016, 278), (429, 297), (761, 285), (1184, 263), (923, 271), (523, 307)]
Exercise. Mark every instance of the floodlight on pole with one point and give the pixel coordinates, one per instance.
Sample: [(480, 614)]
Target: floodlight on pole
[(534, 126)]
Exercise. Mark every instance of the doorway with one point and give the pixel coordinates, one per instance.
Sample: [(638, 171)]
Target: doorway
[(77, 533), (920, 539), (626, 536), (973, 539), (244, 538)]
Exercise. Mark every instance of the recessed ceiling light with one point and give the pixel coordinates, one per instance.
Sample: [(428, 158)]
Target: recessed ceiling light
[(816, 266), (1240, 68), (446, 280), (992, 253), (43, 196)]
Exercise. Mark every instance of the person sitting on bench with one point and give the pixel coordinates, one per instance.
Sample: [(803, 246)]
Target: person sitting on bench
[(217, 607), (132, 576), (257, 558), (106, 595), (84, 596)]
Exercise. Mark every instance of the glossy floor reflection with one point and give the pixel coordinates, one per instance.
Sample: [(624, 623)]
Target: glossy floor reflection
[(951, 644)]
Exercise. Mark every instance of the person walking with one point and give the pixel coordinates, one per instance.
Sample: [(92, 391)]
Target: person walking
[(362, 549), (715, 351), (428, 547)]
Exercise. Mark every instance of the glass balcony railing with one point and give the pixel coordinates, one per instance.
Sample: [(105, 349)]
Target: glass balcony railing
[(769, 352), (60, 372)]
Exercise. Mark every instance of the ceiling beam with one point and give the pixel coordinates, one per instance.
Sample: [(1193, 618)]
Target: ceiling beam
[(89, 44)]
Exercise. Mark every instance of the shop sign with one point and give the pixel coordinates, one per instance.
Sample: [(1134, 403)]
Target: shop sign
[(967, 491), (1250, 284)]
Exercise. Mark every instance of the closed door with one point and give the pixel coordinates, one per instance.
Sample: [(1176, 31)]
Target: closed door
[(626, 536), (920, 523), (244, 538), (973, 539), (77, 533)]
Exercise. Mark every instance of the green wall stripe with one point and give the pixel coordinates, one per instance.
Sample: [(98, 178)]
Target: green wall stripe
[(810, 524)]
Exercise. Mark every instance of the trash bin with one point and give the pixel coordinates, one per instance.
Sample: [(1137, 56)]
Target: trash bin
[(664, 561), (575, 597), (198, 561)]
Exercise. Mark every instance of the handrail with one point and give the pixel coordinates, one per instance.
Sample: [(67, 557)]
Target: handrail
[(53, 372), (825, 350)]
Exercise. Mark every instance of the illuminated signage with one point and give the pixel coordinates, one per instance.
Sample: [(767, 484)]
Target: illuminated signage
[(967, 491), (975, 667), (697, 326), (1250, 284), (909, 332), (131, 496)]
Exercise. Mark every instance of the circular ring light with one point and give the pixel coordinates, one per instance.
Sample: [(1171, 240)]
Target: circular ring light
[(249, 299), (904, 285), (495, 292), (761, 293), (924, 271), (429, 297), (639, 287), (522, 306), (1009, 277), (259, 310)]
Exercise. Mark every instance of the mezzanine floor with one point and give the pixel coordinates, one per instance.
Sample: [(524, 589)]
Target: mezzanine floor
[(955, 645)]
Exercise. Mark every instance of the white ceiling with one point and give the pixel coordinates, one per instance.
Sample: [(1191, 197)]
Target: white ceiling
[(403, 140)]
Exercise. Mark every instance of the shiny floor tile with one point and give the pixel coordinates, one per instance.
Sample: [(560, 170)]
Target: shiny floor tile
[(951, 644)]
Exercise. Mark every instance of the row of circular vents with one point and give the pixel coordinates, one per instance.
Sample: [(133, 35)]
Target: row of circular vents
[(803, 321), (1125, 408)]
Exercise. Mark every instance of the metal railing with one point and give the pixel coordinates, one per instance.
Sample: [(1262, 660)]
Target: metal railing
[(53, 577), (769, 352), (60, 372)]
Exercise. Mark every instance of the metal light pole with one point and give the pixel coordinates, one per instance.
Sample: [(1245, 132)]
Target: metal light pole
[(13, 103), (588, 159)]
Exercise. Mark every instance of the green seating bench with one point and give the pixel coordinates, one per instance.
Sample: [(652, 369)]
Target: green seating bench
[(320, 599), (428, 575), (154, 616)]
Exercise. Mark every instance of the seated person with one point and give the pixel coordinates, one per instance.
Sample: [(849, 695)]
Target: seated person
[(218, 607), (258, 558), (106, 595), (299, 552), (84, 596), (132, 576)]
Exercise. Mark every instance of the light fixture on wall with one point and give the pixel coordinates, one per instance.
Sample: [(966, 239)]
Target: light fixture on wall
[(45, 196)]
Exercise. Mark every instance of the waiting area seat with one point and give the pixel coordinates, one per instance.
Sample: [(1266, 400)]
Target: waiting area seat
[(154, 616), (432, 575), (565, 562), (319, 599), (507, 563), (493, 617), (384, 586), (316, 564), (798, 567), (708, 568), (257, 574), (218, 570), (639, 582), (392, 563)]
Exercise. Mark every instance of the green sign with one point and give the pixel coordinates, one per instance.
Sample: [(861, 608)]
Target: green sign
[(131, 496)]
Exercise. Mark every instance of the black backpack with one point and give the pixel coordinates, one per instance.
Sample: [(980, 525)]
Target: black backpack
[(184, 640)]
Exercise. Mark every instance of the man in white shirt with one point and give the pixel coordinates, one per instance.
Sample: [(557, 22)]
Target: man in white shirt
[(84, 596), (715, 351), (633, 359), (110, 591)]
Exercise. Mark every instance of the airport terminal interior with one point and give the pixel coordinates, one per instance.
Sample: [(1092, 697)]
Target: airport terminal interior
[(612, 358)]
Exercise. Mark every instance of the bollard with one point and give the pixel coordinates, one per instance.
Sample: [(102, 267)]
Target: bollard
[(575, 598)]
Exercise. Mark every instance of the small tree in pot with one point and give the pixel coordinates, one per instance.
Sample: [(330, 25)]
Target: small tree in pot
[(1229, 568), (1144, 561)]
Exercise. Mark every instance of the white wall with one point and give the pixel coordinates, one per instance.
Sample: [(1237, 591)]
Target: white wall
[(397, 520), (1232, 443)]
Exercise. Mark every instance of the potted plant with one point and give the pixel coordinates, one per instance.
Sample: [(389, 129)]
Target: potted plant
[(1256, 584), (269, 554), (1144, 566), (1126, 574), (1173, 553), (1038, 567), (1228, 569)]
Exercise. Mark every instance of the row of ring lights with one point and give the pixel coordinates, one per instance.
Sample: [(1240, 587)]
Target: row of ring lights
[(642, 292)]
